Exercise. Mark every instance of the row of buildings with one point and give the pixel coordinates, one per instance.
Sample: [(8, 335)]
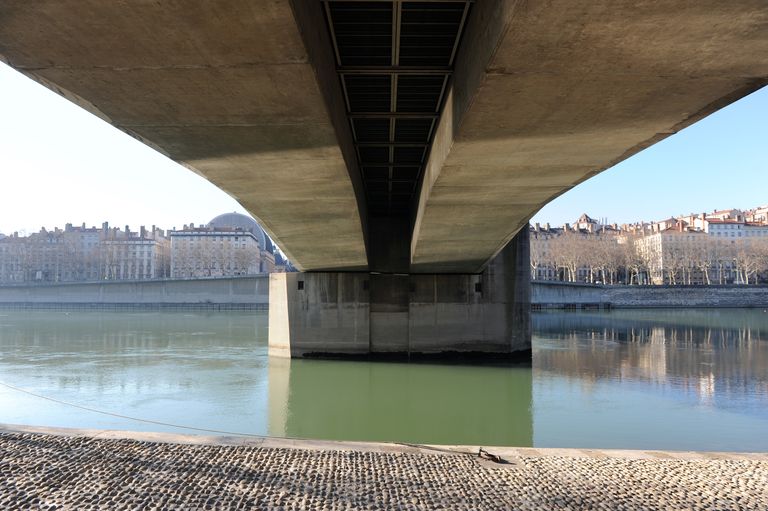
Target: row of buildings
[(721, 247), (229, 245)]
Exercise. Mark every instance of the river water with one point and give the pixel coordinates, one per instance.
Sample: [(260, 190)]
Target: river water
[(637, 379)]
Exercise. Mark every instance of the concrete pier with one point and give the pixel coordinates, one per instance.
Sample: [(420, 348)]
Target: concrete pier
[(404, 315), (53, 468)]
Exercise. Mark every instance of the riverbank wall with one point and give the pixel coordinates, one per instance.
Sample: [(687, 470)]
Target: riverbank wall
[(235, 293), (252, 293), (567, 295)]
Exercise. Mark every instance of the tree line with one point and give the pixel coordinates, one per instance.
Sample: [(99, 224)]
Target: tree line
[(636, 259)]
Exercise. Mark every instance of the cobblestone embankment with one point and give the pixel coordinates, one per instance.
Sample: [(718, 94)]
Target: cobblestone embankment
[(42, 471)]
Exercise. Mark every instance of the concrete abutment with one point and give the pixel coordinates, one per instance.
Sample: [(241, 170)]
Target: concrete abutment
[(368, 314)]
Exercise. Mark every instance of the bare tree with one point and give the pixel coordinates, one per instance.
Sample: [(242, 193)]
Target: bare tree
[(537, 252), (747, 259), (592, 255), (613, 260), (568, 253), (707, 258), (760, 246), (246, 260), (632, 259)]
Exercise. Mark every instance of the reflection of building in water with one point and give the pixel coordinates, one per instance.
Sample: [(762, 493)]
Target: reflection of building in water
[(651, 362), (707, 388), (711, 356)]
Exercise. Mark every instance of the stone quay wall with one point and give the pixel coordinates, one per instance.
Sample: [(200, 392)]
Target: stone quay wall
[(215, 293), (253, 293), (566, 295)]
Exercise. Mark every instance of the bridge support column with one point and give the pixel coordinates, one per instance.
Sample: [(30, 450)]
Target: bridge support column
[(413, 316)]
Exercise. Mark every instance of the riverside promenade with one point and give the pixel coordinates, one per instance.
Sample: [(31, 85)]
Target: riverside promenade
[(47, 468)]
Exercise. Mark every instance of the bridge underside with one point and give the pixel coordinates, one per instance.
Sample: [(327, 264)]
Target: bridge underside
[(407, 140), (230, 89), (442, 125), (548, 94)]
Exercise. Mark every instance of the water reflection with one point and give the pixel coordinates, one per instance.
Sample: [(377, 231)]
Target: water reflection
[(401, 402), (720, 357), (212, 371), (699, 377), (625, 379), (195, 369)]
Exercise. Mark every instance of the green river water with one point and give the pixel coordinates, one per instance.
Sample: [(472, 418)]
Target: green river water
[(637, 379)]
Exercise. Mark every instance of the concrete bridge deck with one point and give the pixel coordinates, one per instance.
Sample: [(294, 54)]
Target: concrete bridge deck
[(43, 468)]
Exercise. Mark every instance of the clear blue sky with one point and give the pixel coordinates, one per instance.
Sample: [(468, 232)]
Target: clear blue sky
[(60, 164), (718, 163)]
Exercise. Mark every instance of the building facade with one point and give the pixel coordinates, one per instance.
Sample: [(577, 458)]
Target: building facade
[(229, 245), (78, 254), (127, 255), (722, 247)]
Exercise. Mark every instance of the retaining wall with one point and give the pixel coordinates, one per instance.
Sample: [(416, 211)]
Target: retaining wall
[(237, 293), (569, 295), (253, 293)]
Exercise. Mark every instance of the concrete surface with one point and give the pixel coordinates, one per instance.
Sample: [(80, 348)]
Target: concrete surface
[(544, 95), (563, 294), (56, 468), (548, 94), (239, 290), (408, 316), (228, 88)]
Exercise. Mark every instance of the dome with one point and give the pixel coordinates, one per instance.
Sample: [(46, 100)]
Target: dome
[(246, 223)]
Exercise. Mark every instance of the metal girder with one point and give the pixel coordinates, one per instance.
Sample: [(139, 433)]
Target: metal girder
[(394, 61)]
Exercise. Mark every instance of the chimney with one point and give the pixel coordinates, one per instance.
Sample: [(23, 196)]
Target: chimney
[(127, 230), (566, 227), (537, 227), (142, 232), (67, 227)]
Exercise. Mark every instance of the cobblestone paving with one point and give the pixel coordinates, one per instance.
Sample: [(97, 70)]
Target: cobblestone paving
[(58, 472)]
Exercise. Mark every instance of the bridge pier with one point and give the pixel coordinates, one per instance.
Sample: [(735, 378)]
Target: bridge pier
[(365, 314)]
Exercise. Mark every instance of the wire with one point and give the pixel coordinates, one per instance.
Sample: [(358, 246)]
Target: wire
[(137, 419), (205, 430), (438, 449)]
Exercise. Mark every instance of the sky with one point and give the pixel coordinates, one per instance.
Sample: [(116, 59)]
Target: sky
[(59, 164), (720, 162)]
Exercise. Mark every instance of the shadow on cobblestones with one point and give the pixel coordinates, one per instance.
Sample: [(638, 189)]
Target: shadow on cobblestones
[(56, 472)]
